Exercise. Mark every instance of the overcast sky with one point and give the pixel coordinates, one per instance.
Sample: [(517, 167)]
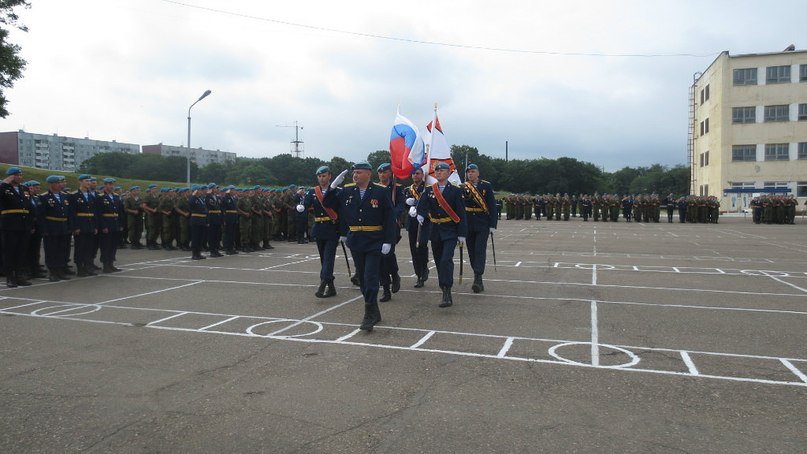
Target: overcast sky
[(129, 69)]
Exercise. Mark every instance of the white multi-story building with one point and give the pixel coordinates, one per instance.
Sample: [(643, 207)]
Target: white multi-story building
[(748, 127), (55, 152), (200, 156)]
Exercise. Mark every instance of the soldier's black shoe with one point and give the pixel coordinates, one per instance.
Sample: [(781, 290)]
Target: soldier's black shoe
[(96, 267), (231, 252), (269, 246), (396, 282), (477, 285), (21, 280), (419, 283), (216, 254), (372, 316), (90, 270), (53, 277), (198, 257), (39, 275), (321, 290), (355, 280), (331, 291), (67, 270), (446, 297), (10, 282), (425, 275), (108, 269), (386, 296)]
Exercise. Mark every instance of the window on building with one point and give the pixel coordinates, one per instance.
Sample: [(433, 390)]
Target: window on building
[(803, 150), (702, 128), (802, 112), (703, 95), (745, 76), (700, 188), (744, 153), (707, 126), (744, 115), (803, 73), (777, 152), (706, 158), (775, 184), (777, 74), (701, 156), (779, 112), (707, 92), (801, 189), (706, 189)]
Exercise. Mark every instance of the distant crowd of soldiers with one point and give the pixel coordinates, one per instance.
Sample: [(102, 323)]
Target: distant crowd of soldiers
[(774, 209)]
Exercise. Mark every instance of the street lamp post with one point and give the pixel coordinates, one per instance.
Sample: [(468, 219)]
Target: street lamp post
[(204, 95)]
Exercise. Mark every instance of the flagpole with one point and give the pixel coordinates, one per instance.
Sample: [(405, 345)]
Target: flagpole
[(429, 150)]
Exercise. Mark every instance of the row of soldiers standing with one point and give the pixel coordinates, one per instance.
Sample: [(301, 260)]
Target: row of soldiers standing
[(605, 207), (774, 209)]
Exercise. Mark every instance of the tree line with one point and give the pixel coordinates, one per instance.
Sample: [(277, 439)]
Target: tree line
[(536, 176)]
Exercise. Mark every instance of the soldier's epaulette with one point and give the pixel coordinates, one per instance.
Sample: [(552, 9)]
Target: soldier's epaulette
[(398, 184), (380, 185), (349, 185), (485, 181)]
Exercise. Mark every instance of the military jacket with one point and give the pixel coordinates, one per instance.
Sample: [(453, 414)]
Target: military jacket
[(368, 221), (54, 214), (480, 219), (443, 227)]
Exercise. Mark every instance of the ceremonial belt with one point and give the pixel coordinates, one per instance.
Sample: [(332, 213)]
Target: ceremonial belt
[(85, 215), (322, 219), (444, 204), (440, 220), (414, 191), (15, 211), (110, 215), (198, 215), (366, 228), (475, 210), (55, 219), (331, 213), (231, 211), (477, 197)]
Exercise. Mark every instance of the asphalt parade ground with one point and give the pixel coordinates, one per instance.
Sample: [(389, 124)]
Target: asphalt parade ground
[(610, 337)]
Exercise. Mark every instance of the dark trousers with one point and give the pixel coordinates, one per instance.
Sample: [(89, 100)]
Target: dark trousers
[(389, 266), (198, 238), (15, 247), (108, 243), (57, 248), (84, 252), (33, 254), (477, 250), (214, 237), (327, 257), (229, 236), (443, 253), (670, 212), (420, 255), (367, 267)]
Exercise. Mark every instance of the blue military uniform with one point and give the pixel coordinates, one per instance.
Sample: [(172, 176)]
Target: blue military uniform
[(198, 222), (53, 218), (480, 206), (32, 266), (107, 210), (389, 262), (215, 221), (418, 247), (85, 227), (230, 210), (445, 231), (369, 221), (326, 233), (15, 220)]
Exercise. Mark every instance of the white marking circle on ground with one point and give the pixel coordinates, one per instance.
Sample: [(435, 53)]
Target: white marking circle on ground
[(66, 310), (591, 266), (317, 328), (633, 358), (765, 273)]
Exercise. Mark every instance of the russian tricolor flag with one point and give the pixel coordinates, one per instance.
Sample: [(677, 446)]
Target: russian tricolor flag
[(405, 147)]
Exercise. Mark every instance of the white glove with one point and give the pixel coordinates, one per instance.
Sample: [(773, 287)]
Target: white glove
[(385, 248), (411, 201), (420, 219), (339, 179), (461, 239), (300, 208), (492, 229), (343, 239), (413, 211)]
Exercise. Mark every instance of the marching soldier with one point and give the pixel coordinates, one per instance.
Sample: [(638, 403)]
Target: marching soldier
[(107, 206), (134, 217), (479, 199), (149, 206), (390, 279), (53, 218), (198, 220), (214, 220), (418, 247), (443, 205), (369, 217), (85, 227), (228, 206), (325, 230)]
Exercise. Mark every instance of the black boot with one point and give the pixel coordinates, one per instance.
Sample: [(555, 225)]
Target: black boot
[(53, 276), (10, 281), (372, 316), (355, 280), (419, 283), (446, 297), (321, 290), (107, 268), (331, 289), (20, 279), (477, 285), (386, 296)]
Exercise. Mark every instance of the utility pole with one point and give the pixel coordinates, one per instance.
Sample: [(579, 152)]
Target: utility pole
[(296, 144), (506, 150)]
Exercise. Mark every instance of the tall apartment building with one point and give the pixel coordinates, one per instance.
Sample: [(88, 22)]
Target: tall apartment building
[(748, 127), (55, 152), (200, 156)]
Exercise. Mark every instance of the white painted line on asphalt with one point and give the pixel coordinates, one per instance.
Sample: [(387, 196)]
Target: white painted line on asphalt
[(22, 305), (423, 339), (166, 318), (595, 336), (794, 369), (220, 323), (690, 365), (517, 264), (311, 317), (505, 348), (150, 293), (594, 274), (349, 335), (787, 283), (285, 264)]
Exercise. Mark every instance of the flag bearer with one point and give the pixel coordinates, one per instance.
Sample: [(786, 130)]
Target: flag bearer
[(479, 205)]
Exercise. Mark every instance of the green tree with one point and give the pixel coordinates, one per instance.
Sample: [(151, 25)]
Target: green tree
[(377, 158), (11, 63)]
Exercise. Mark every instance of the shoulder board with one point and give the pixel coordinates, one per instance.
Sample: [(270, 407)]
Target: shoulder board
[(398, 184), (380, 185), (485, 181), (349, 185)]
